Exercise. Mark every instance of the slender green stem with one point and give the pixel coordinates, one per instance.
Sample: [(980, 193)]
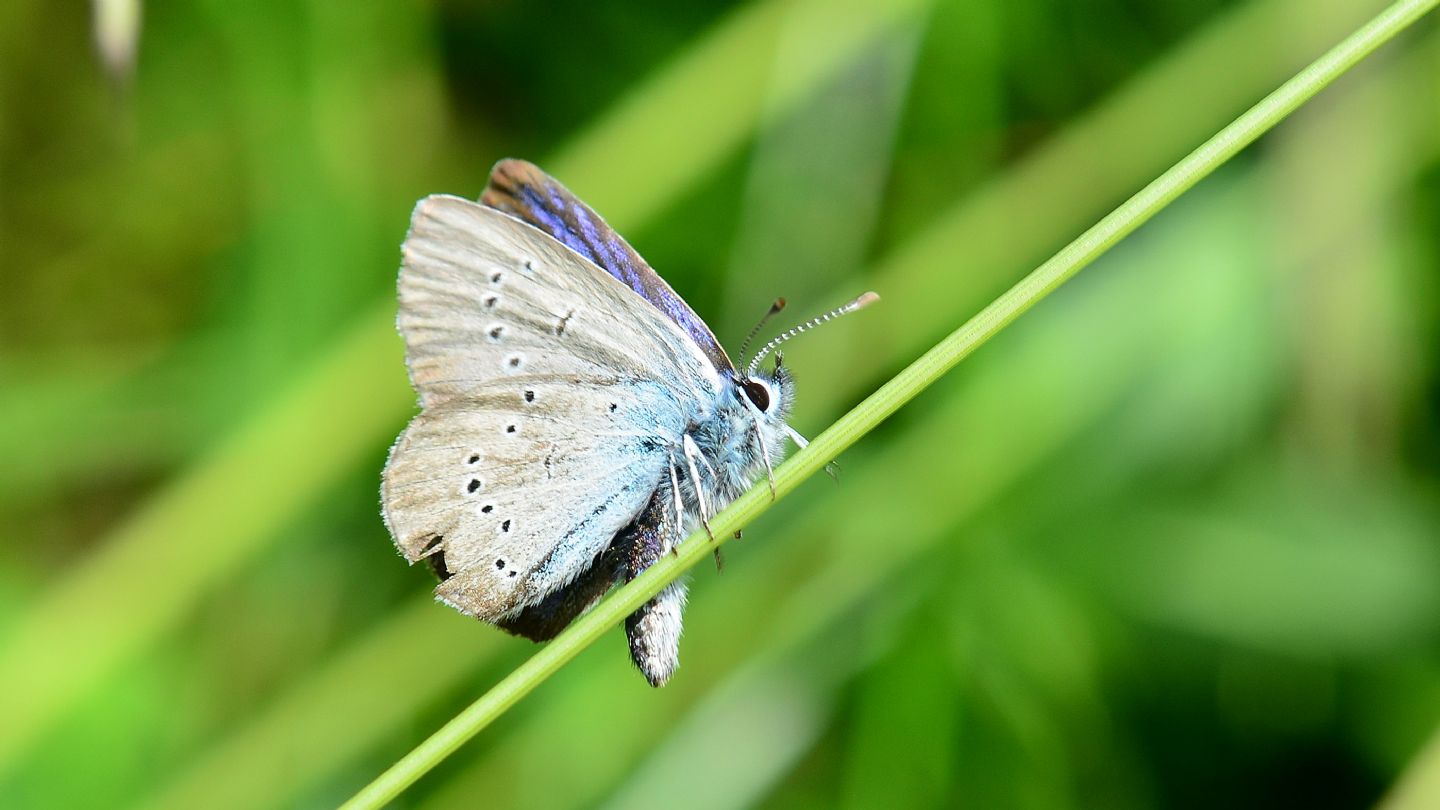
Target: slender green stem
[(901, 389)]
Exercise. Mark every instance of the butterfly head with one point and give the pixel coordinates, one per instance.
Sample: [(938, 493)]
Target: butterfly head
[(748, 432), (768, 393)]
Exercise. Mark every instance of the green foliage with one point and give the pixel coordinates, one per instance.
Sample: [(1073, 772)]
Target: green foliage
[(1166, 543)]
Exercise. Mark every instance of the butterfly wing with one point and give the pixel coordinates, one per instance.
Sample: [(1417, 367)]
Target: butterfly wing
[(523, 190), (551, 397)]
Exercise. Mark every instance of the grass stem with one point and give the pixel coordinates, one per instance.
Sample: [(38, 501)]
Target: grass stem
[(918, 376)]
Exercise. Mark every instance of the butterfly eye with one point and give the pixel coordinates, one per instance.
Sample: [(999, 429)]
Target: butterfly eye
[(759, 394)]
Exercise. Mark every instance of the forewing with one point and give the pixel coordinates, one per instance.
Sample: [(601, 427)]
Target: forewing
[(522, 189), (551, 395), (486, 300)]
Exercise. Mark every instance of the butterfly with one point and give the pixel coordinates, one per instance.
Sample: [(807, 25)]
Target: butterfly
[(578, 419)]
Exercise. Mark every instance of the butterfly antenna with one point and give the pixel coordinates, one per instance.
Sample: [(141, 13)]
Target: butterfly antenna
[(861, 302), (764, 319)]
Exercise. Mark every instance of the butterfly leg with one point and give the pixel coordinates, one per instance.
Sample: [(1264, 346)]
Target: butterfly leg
[(692, 452), (679, 501), (800, 441), (765, 454), (653, 630), (832, 469)]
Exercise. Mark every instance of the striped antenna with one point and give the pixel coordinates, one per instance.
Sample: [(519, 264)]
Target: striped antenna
[(864, 300)]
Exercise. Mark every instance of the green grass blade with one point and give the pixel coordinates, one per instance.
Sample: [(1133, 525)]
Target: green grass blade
[(64, 645), (599, 164), (335, 714), (900, 390), (1074, 178), (1042, 364)]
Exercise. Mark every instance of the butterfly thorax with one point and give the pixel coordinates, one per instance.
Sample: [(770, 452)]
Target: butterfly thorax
[(738, 442)]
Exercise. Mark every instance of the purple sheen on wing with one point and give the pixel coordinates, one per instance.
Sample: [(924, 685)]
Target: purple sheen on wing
[(523, 190)]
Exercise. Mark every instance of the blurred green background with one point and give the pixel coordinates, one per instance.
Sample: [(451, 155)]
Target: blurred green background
[(1172, 540)]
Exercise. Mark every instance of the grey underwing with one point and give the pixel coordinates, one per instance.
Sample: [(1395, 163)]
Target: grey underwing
[(578, 420)]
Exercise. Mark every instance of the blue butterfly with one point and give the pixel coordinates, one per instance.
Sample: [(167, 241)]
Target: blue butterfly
[(577, 419)]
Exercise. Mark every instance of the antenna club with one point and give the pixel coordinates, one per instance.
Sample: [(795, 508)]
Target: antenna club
[(864, 300)]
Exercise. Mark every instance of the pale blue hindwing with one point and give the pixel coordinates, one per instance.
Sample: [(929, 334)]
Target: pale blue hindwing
[(554, 400)]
